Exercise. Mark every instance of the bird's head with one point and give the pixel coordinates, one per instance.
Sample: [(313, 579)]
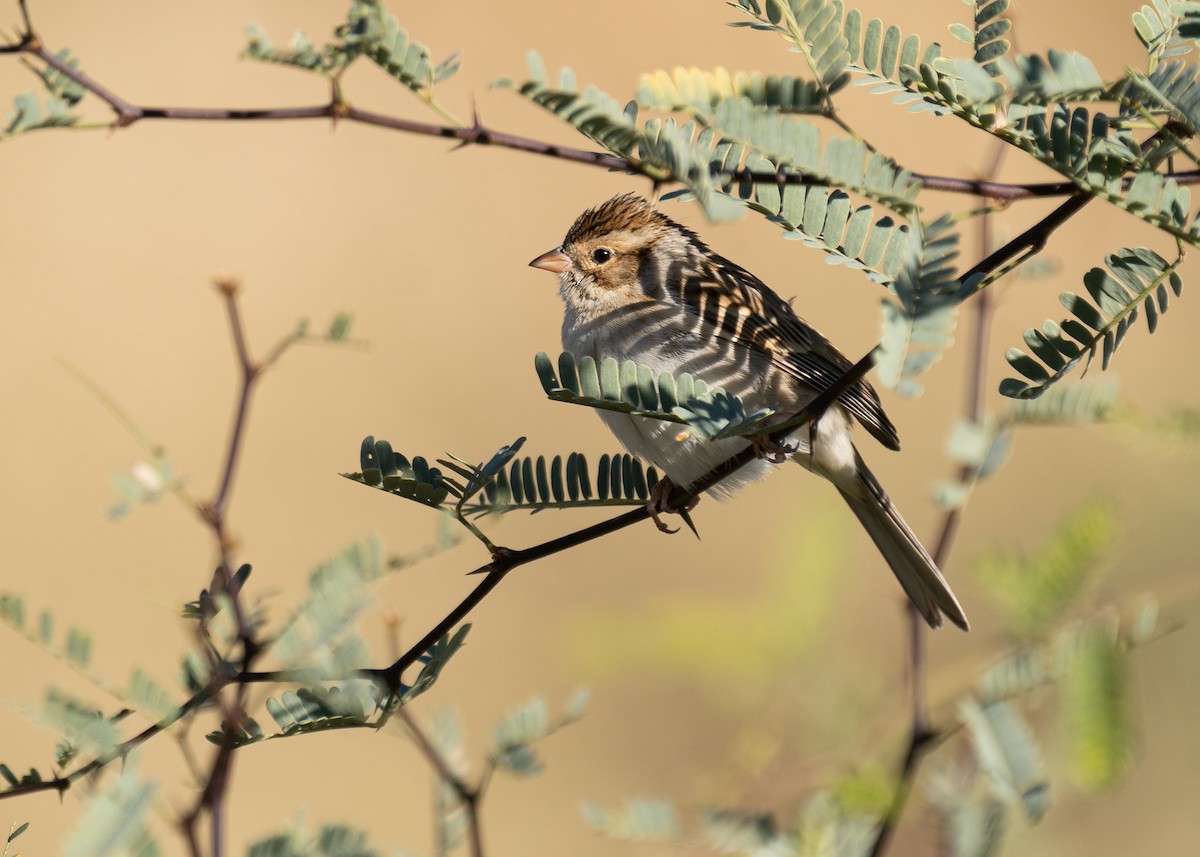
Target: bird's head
[(617, 253)]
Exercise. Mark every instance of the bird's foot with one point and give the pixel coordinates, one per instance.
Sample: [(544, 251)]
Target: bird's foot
[(660, 504), (771, 451)]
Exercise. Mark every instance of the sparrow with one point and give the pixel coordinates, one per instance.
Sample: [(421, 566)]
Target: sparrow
[(639, 286)]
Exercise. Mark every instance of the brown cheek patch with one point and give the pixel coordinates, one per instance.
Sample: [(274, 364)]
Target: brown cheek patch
[(620, 273)]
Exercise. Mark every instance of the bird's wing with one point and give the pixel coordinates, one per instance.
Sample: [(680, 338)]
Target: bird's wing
[(734, 305)]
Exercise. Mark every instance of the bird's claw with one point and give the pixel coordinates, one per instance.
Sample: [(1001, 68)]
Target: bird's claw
[(766, 449), (660, 504)]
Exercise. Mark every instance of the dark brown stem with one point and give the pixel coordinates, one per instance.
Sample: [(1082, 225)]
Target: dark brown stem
[(506, 560), (249, 376), (469, 795), (62, 783), (127, 113), (1032, 240), (921, 733)]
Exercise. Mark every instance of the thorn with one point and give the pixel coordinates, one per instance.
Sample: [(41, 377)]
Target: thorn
[(687, 519), (476, 124)]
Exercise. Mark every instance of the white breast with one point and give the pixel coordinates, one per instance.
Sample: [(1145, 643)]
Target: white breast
[(672, 447)]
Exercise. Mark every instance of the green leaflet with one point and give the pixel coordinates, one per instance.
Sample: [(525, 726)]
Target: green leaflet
[(1157, 28), (661, 149), (919, 326), (1097, 720), (115, 819), (62, 95), (1172, 86), (1034, 591), (748, 112), (987, 34), (630, 388), (1008, 754), (639, 820), (1074, 404), (319, 635), (819, 217), (842, 41), (369, 30), (699, 91), (332, 840), (1059, 76), (507, 483), (30, 114), (795, 143), (592, 112), (1136, 279), (520, 729), (1094, 151)]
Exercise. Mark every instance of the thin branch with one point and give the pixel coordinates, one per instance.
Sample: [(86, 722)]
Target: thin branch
[(62, 783), (128, 113), (1032, 240), (250, 373), (921, 734), (469, 795), (28, 24), (506, 560)]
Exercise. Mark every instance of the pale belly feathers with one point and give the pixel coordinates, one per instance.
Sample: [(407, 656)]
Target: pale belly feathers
[(676, 450)]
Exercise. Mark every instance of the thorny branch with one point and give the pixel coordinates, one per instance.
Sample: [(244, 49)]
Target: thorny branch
[(127, 113), (211, 799)]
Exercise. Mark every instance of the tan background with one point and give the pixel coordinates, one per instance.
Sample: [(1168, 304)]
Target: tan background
[(109, 242)]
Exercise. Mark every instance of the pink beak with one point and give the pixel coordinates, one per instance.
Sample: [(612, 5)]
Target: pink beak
[(555, 261)]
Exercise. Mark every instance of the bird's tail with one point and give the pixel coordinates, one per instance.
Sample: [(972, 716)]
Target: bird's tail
[(911, 563)]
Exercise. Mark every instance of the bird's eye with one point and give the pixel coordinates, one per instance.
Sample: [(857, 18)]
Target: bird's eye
[(600, 255)]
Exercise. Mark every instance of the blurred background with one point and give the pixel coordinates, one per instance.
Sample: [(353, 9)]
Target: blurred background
[(746, 670)]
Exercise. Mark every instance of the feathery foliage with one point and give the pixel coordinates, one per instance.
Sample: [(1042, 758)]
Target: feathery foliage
[(920, 325), (699, 92), (525, 483), (518, 731), (1007, 753), (1136, 279), (332, 840), (1035, 590), (369, 30), (1096, 710), (1075, 404), (795, 143), (1173, 87), (630, 388), (685, 153), (319, 635), (878, 55), (817, 216), (62, 94), (1157, 28), (31, 114), (591, 112), (115, 821), (986, 36), (309, 709)]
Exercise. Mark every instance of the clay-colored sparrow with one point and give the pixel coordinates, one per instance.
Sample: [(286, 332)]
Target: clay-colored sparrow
[(639, 286)]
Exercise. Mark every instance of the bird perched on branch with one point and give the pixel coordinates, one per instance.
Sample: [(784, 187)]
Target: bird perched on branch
[(639, 286)]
